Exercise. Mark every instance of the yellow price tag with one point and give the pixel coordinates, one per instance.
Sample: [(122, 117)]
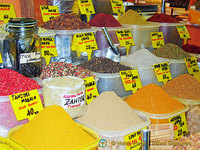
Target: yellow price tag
[(91, 89), (125, 39), (84, 42), (133, 141), (157, 39), (117, 7), (183, 33), (49, 12), (1, 60), (48, 48), (180, 125), (86, 7), (131, 80), (26, 104), (7, 12), (162, 72), (192, 67)]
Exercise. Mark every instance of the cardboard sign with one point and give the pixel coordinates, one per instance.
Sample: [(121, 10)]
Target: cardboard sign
[(157, 39), (183, 33), (7, 12), (49, 12), (117, 7)]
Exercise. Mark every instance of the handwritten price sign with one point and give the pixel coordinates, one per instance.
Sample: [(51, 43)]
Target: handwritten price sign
[(7, 12)]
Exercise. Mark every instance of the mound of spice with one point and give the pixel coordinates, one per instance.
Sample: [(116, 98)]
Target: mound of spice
[(184, 86), (108, 112), (171, 51), (103, 65), (52, 128), (153, 99), (66, 22), (164, 18), (132, 17), (60, 69), (13, 82), (104, 20), (191, 48)]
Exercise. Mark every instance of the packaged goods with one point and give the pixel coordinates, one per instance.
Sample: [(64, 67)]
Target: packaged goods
[(60, 69), (164, 18), (103, 65), (104, 20), (184, 86), (153, 99), (193, 120), (68, 92), (52, 129), (191, 48)]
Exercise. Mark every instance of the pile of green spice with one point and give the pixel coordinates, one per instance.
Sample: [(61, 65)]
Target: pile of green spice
[(60, 69), (103, 65), (171, 51)]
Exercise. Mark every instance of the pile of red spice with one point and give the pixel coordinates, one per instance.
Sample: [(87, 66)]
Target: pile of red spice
[(191, 48), (13, 82), (104, 20), (163, 18)]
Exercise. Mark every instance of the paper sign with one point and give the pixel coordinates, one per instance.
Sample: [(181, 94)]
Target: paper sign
[(84, 42), (26, 104), (180, 125), (162, 72), (49, 12), (48, 48), (86, 7), (117, 7), (192, 67), (157, 39), (91, 89), (125, 39), (183, 33), (7, 12), (131, 80), (1, 60)]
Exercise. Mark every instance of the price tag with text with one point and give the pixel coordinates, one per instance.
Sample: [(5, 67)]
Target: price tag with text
[(125, 39), (91, 89), (48, 48), (183, 33), (49, 12), (131, 80), (1, 60), (192, 67), (157, 39), (7, 11), (86, 7), (162, 72), (180, 125), (117, 7), (26, 104), (84, 42)]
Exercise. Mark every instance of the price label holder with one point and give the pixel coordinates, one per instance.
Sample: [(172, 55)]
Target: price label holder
[(117, 7), (1, 60), (183, 33), (86, 7), (192, 67), (162, 72), (84, 42), (125, 39), (91, 89), (48, 49), (49, 12), (157, 39), (26, 104), (180, 125), (133, 141), (7, 12), (131, 80)]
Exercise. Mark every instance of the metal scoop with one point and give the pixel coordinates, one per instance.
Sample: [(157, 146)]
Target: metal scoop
[(113, 51)]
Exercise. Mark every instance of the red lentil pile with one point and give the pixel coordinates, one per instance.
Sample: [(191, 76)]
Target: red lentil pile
[(13, 82), (59, 69), (163, 18), (184, 86)]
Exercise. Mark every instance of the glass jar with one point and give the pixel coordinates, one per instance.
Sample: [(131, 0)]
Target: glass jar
[(22, 47)]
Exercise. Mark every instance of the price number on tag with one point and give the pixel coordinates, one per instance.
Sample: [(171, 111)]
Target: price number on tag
[(7, 12), (49, 12), (125, 39), (180, 125), (157, 39), (117, 7), (31, 112), (91, 89), (131, 80), (162, 72)]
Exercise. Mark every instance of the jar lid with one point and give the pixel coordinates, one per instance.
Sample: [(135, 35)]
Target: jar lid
[(22, 21)]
